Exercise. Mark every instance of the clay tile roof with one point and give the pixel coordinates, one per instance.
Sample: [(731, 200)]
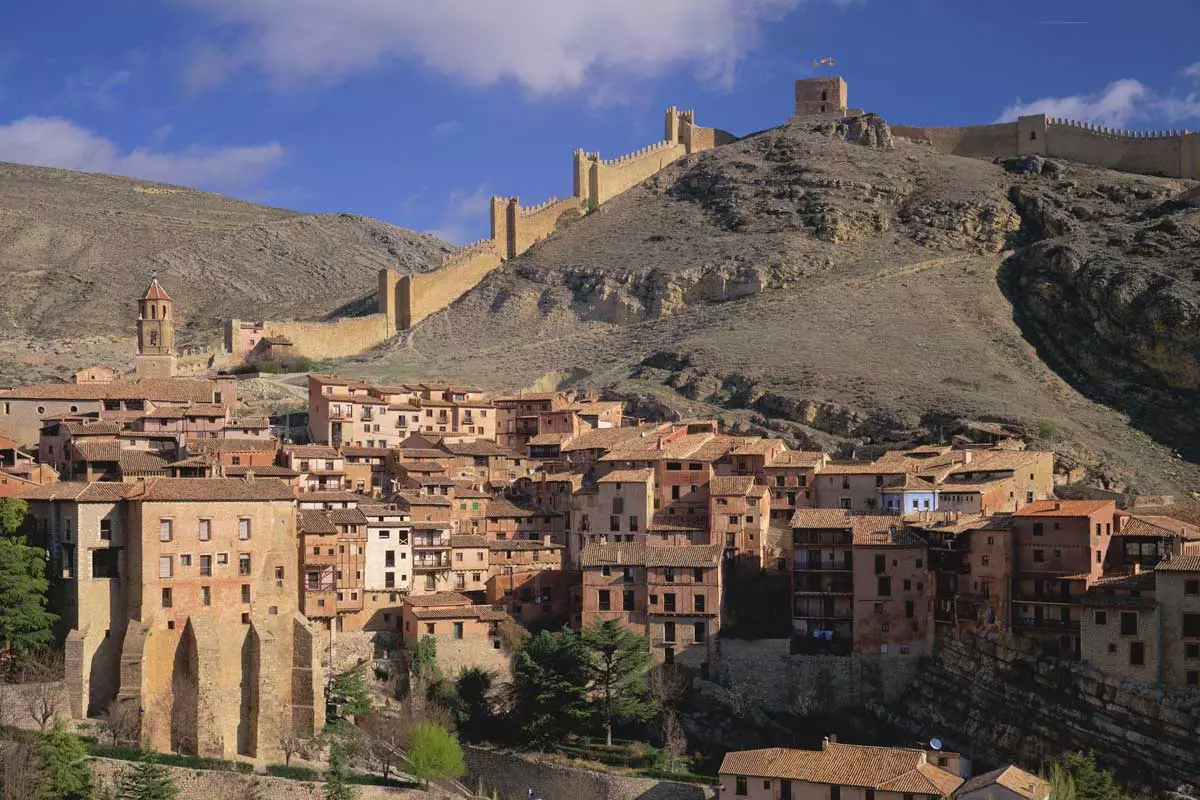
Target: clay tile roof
[(881, 768), (528, 396), (883, 530), (261, 471), (522, 544), (430, 480), (311, 520), (346, 516), (1063, 508), (468, 540), (418, 453), (551, 438), (230, 445), (420, 466), (78, 429), (466, 491), (861, 468), (133, 462), (664, 521), (731, 485), (1174, 564), (97, 451), (821, 518), (482, 613), (635, 554), (209, 489), (503, 508), (249, 422), (758, 447), (163, 390), (1015, 779), (414, 499), (479, 447), (1155, 525), (910, 483), (437, 599), (330, 496), (371, 452), (601, 439), (627, 476), (311, 451), (796, 458), (155, 291), (79, 491), (205, 410)]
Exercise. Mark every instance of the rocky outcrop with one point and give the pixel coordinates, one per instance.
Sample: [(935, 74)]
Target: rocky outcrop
[(997, 701)]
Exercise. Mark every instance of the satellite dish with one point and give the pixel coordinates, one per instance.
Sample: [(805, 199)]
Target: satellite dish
[(935, 743)]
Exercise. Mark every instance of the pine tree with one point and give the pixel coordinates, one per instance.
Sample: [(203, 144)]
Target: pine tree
[(24, 621), (617, 668), (434, 753), (147, 781), (63, 764), (550, 679), (1091, 782), (348, 695), (337, 785)]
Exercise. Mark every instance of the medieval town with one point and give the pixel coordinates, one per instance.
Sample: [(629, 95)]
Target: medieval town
[(838, 460)]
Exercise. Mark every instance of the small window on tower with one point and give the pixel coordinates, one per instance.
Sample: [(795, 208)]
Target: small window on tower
[(153, 338)]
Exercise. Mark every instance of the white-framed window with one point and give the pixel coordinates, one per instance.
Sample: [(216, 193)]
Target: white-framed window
[(204, 529), (166, 529), (166, 566), (243, 528)]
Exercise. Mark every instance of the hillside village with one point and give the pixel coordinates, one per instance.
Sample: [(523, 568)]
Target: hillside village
[(188, 532)]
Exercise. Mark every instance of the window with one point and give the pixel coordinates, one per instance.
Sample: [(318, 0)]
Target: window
[(1038, 529), (885, 586), (835, 791), (164, 530), (668, 631), (603, 598), (244, 564), (880, 564), (633, 523), (1191, 651), (1039, 555), (700, 632), (106, 530), (606, 572), (166, 597), (245, 593), (669, 574), (166, 567), (668, 655), (1137, 654), (674, 466), (205, 530), (907, 585), (1189, 587), (698, 574), (698, 603), (243, 528), (1191, 626), (222, 559), (1192, 678), (985, 560), (614, 523), (205, 566), (206, 595), (458, 630), (669, 602), (909, 609), (740, 786), (1101, 618), (1129, 623), (675, 492)]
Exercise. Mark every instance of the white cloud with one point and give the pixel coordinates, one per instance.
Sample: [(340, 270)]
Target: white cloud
[(461, 220), (546, 46), (1192, 71), (444, 129), (57, 142), (1122, 103)]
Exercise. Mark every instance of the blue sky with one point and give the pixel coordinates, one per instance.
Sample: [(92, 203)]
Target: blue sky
[(416, 111)]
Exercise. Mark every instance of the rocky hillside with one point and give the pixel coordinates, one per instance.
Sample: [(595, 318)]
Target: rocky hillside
[(77, 248), (842, 288)]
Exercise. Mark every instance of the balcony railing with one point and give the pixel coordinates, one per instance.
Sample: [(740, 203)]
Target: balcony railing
[(840, 565), (1046, 624), (431, 563)]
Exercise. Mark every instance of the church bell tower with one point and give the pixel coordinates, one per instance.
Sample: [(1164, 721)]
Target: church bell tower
[(156, 333)]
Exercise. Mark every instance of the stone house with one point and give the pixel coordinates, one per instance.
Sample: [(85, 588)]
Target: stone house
[(822, 582), (620, 510), (181, 601), (387, 563), (790, 475), (1119, 631), (484, 462), (533, 596), (233, 452), (432, 560), (470, 562), (517, 416), (1144, 540), (321, 468), (367, 469), (835, 772), (893, 589), (1177, 589), (449, 617), (671, 595), (738, 516), (1005, 783)]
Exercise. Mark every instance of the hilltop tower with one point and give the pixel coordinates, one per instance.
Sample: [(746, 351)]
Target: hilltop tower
[(156, 333), (821, 96)]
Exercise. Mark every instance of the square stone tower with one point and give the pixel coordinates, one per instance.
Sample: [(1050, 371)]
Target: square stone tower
[(156, 333), (821, 96)]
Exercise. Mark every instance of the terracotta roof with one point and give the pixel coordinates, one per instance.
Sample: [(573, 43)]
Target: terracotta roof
[(860, 468), (731, 486), (373, 452), (1173, 564), (664, 521), (248, 422), (311, 451), (1015, 779), (1063, 508), (466, 491), (796, 458), (312, 520), (205, 410), (430, 480), (77, 429), (346, 516), (164, 390), (420, 466), (468, 540), (528, 396), (417, 453), (522, 544), (883, 530), (1156, 525), (636, 554), (330, 496), (910, 483), (890, 769), (437, 599), (543, 439), (230, 445), (821, 518), (141, 461), (482, 613), (479, 447), (414, 499), (602, 439), (78, 491), (758, 447), (503, 508), (261, 471), (209, 489), (98, 451), (155, 291), (627, 476)]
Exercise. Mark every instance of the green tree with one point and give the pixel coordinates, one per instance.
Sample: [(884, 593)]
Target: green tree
[(148, 780), (424, 665), (1091, 782), (550, 687), (1062, 785), (434, 753), (617, 663), (474, 708), (24, 621), (12, 515), (348, 695), (63, 762), (337, 784)]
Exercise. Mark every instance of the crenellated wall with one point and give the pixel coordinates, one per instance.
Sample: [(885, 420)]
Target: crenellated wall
[(1172, 154), (422, 294)]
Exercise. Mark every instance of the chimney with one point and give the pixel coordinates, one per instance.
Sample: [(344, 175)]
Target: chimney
[(546, 539), (249, 476), (1057, 506), (966, 456)]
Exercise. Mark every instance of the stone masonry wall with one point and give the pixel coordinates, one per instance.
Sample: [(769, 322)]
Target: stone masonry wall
[(995, 700), (14, 708), (334, 339), (433, 291), (512, 775)]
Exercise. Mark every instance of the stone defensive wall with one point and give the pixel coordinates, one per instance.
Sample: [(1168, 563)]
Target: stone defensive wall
[(1171, 154), (321, 339)]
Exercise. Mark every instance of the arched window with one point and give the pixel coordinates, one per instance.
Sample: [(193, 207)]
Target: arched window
[(824, 96), (153, 312)]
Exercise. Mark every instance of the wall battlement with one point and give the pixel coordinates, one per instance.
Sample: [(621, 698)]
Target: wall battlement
[(1115, 133)]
